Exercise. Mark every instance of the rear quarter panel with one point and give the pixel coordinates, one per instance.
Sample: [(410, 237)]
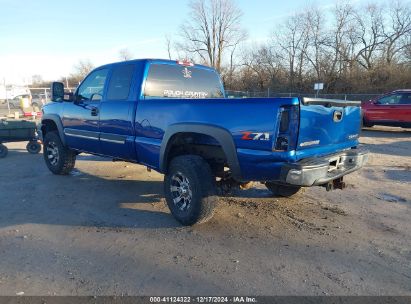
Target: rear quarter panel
[(154, 116)]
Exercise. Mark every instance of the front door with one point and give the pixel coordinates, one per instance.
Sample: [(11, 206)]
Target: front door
[(384, 110), (81, 117)]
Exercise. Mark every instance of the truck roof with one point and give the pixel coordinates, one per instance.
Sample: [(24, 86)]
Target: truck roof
[(153, 60), (403, 91)]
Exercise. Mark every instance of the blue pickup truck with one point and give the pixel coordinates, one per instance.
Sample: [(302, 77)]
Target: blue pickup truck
[(173, 117)]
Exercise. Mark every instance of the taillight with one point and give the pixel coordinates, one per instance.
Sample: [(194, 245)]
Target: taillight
[(287, 131)]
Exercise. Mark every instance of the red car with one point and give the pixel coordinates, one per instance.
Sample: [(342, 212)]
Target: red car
[(392, 109)]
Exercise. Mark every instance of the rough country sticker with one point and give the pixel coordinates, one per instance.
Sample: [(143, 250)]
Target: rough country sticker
[(184, 94), (255, 136)]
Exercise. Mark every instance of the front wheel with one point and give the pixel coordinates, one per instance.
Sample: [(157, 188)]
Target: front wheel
[(282, 190), (59, 159), (189, 188), (3, 151)]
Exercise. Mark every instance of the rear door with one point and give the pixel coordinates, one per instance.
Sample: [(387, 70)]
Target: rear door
[(327, 126), (404, 108), (116, 114)]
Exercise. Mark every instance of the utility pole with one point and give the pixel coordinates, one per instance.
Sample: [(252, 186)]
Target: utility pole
[(5, 90)]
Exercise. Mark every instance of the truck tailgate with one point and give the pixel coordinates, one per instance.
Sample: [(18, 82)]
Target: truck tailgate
[(327, 126)]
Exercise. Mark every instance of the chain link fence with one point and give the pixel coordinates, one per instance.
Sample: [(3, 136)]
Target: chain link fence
[(261, 94)]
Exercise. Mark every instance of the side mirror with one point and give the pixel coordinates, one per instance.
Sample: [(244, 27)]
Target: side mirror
[(57, 91)]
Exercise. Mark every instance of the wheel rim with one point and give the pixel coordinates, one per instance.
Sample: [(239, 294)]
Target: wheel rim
[(181, 191), (33, 147), (52, 153)]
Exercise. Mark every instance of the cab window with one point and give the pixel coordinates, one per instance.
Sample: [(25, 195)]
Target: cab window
[(390, 100), (120, 82), (176, 81), (92, 88)]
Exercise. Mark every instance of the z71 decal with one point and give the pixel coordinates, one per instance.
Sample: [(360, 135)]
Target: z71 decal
[(256, 136)]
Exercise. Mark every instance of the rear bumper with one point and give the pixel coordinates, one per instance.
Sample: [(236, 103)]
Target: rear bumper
[(321, 170)]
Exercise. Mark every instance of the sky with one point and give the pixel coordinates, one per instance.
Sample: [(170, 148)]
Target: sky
[(48, 37)]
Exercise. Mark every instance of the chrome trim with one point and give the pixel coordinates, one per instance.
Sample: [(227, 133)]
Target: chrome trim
[(80, 136), (113, 141), (329, 102)]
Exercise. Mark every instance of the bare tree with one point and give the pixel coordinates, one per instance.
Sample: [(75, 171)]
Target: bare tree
[(169, 46), (364, 49), (407, 52), (290, 42), (397, 31), (81, 70), (316, 53), (125, 54), (213, 28), (370, 35), (37, 79)]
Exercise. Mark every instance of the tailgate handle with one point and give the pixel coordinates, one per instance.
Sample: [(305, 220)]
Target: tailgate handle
[(338, 115)]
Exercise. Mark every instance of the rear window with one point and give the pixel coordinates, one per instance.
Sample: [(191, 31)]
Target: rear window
[(176, 81)]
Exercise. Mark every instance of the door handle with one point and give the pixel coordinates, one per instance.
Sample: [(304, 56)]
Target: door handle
[(94, 111)]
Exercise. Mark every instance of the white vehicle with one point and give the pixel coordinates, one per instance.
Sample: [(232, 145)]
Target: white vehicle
[(9, 92)]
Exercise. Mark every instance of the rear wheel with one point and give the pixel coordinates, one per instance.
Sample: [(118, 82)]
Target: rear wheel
[(59, 159), (3, 151), (189, 188), (33, 147), (282, 190)]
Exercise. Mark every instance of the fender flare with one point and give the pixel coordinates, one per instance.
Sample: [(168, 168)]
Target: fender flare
[(56, 119), (223, 136)]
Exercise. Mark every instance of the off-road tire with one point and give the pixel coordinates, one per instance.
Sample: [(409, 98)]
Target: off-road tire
[(33, 147), (66, 157), (201, 184), (3, 151), (282, 190)]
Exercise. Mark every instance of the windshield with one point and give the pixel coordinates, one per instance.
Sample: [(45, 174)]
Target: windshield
[(176, 81)]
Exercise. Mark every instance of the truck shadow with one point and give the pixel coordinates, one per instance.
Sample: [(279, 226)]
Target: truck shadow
[(34, 195)]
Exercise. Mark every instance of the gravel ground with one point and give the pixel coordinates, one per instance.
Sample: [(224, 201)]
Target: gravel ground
[(105, 230)]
